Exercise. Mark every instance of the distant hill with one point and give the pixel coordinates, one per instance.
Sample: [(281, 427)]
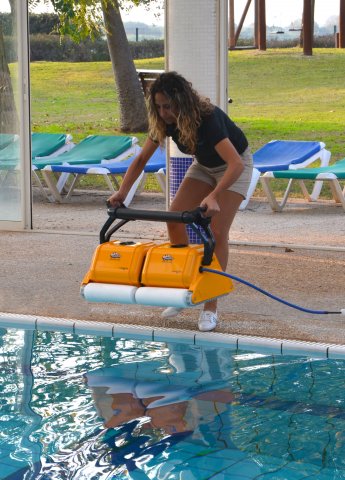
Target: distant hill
[(140, 31)]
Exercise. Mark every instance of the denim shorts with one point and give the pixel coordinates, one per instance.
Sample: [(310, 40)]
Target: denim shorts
[(212, 176)]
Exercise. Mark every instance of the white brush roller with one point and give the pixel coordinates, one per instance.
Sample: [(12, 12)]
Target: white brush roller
[(164, 297), (128, 294), (103, 292)]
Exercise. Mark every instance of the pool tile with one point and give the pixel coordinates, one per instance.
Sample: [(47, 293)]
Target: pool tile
[(171, 470), (336, 351), (245, 467), (327, 474), (55, 324), (25, 322), (261, 345), (133, 332), (185, 473), (304, 468), (216, 339), (230, 476), (273, 462), (135, 475), (209, 463), (182, 455), (194, 449), (7, 470), (230, 454), (284, 474), (315, 350), (94, 328), (168, 335)]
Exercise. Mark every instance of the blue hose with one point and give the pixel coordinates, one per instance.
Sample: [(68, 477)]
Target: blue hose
[(278, 299)]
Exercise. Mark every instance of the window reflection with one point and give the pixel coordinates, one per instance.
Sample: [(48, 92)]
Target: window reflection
[(10, 169)]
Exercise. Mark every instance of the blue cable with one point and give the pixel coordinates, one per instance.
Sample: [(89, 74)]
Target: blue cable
[(278, 299)]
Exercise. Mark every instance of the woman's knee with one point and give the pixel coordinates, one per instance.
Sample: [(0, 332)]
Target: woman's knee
[(221, 235), (177, 233)]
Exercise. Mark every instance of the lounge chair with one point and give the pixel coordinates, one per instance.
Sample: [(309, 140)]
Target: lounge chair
[(50, 144), (45, 145), (94, 149), (332, 174), (287, 155), (6, 139), (109, 170)]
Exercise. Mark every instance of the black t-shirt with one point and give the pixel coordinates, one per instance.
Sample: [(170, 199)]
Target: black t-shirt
[(214, 127)]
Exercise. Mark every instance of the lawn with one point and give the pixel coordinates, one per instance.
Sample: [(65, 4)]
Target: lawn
[(277, 94)]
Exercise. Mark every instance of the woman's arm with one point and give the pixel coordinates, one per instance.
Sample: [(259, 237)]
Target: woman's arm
[(235, 167), (133, 172)]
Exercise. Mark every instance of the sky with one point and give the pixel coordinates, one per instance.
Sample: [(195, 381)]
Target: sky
[(278, 12)]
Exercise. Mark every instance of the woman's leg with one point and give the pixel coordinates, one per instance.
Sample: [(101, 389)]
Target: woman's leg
[(188, 197), (229, 203)]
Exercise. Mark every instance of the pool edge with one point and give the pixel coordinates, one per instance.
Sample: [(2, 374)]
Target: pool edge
[(161, 334)]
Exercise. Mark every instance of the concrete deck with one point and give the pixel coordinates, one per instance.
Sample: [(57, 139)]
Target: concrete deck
[(298, 254)]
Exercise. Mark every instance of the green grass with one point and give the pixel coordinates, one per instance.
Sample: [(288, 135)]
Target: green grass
[(277, 94), (283, 94)]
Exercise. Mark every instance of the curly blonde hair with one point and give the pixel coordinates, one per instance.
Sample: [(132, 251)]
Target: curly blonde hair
[(191, 107)]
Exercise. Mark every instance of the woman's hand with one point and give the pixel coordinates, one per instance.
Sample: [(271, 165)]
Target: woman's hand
[(133, 172), (211, 205), (116, 200)]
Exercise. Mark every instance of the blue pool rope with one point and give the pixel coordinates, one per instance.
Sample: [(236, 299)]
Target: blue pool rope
[(274, 297)]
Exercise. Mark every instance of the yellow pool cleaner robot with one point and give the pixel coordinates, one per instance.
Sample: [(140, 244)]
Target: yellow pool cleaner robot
[(146, 273)]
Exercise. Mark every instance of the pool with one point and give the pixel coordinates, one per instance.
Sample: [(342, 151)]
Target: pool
[(123, 405)]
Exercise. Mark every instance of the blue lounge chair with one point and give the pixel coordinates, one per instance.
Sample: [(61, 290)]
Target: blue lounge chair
[(109, 170), (287, 155), (93, 149)]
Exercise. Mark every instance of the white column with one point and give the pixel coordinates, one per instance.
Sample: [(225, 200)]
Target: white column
[(25, 120), (196, 42), (196, 45)]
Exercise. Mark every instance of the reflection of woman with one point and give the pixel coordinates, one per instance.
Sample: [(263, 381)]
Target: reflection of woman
[(162, 392), (219, 177), (120, 408), (149, 406)]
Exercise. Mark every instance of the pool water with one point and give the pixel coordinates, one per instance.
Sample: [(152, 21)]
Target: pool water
[(91, 407)]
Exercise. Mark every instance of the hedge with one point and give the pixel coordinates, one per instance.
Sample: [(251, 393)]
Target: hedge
[(53, 48)]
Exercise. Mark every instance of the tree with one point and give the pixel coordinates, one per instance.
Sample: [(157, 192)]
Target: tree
[(81, 18), (131, 99)]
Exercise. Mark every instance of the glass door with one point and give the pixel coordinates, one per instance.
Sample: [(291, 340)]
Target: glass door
[(15, 156)]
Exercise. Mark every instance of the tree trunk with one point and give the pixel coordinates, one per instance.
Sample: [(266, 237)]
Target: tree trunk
[(133, 114), (8, 113)]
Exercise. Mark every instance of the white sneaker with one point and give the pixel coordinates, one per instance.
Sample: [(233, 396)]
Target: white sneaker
[(207, 321), (171, 312)]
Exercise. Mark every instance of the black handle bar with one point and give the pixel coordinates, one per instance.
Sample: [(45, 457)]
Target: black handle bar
[(193, 217)]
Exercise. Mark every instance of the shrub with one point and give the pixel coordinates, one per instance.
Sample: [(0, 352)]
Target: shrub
[(55, 49)]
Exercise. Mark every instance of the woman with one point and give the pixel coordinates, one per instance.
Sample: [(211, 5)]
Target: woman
[(219, 176)]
